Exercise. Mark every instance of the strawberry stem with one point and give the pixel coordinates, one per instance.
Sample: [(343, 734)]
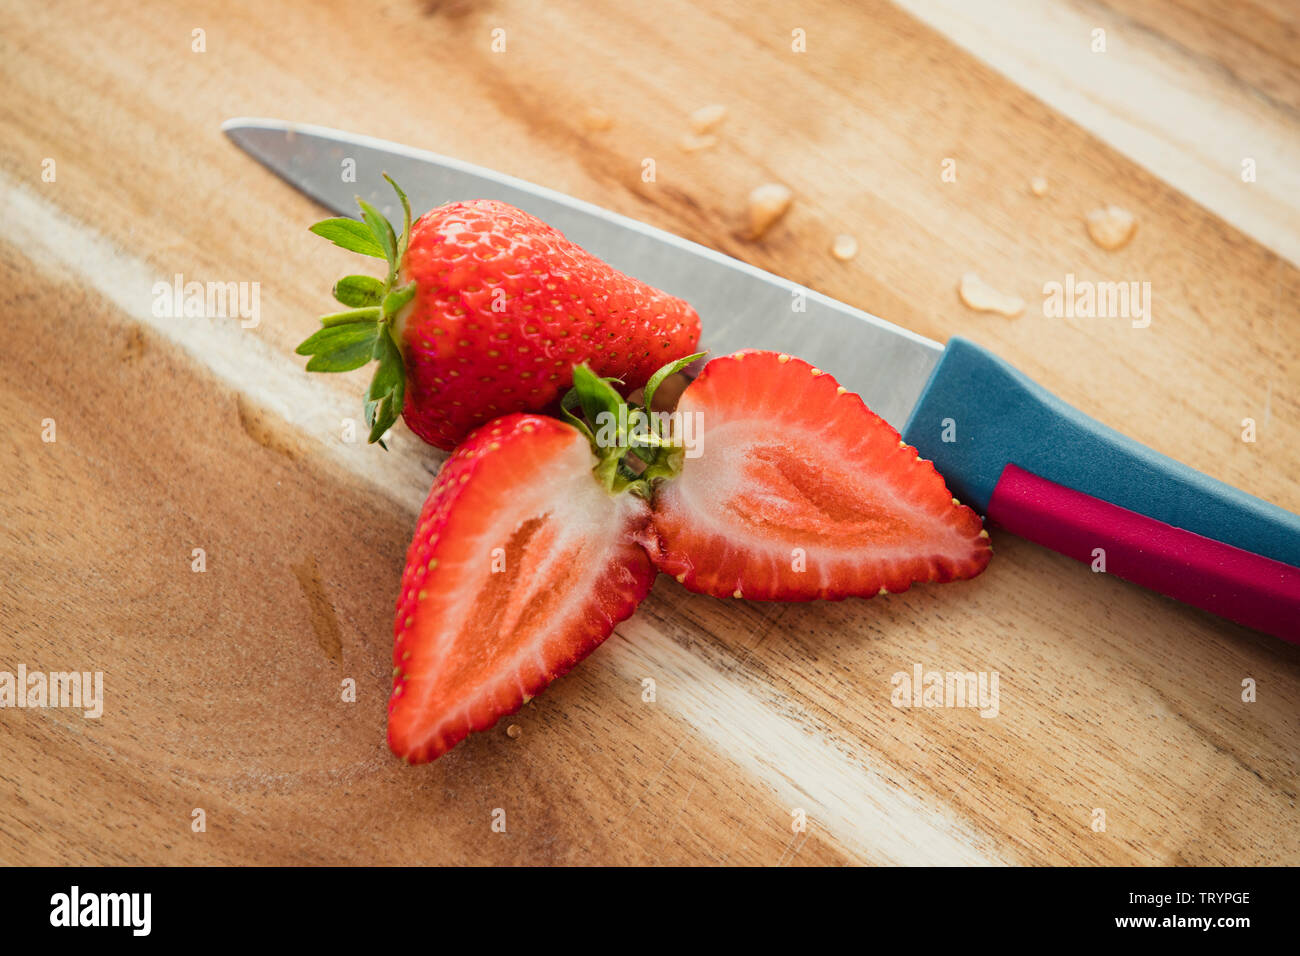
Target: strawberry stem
[(634, 449)]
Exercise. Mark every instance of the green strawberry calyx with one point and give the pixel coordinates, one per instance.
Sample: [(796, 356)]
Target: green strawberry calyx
[(635, 448), (366, 331)]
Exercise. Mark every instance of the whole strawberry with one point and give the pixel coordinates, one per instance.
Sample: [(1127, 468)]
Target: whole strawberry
[(485, 310)]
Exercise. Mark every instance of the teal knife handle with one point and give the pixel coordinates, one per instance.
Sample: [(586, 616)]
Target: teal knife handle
[(978, 414)]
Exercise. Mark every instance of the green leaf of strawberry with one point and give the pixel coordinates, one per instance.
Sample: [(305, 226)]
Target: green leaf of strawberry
[(570, 404), (352, 338), (406, 217), (595, 394), (371, 315), (672, 368), (381, 229), (350, 235), (359, 291), (396, 300), (386, 394), (340, 348)]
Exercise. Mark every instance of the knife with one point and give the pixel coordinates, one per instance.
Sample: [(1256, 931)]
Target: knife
[(1028, 461)]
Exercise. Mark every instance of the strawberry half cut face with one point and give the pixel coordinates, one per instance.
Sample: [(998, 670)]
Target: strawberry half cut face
[(521, 565), (800, 492)]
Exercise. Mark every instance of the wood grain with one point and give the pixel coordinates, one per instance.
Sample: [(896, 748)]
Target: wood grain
[(1190, 90), (223, 688)]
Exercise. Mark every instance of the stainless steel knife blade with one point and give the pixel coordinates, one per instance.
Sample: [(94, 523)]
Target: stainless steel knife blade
[(740, 306)]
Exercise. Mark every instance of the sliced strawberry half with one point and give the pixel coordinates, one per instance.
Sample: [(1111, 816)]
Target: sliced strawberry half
[(802, 492), (521, 565)]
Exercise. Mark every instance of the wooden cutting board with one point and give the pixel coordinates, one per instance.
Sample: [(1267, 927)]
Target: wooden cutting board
[(223, 688)]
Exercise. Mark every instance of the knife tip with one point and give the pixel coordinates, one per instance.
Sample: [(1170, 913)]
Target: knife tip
[(247, 124)]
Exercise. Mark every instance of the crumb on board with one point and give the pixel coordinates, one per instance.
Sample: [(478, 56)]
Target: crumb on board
[(767, 204), (596, 120), (844, 248), (707, 118), (693, 142), (1111, 227), (982, 297)]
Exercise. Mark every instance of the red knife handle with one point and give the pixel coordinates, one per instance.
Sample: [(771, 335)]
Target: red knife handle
[(1240, 585)]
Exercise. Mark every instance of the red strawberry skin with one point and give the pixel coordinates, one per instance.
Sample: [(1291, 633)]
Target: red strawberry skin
[(521, 565), (802, 492), (505, 306)]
